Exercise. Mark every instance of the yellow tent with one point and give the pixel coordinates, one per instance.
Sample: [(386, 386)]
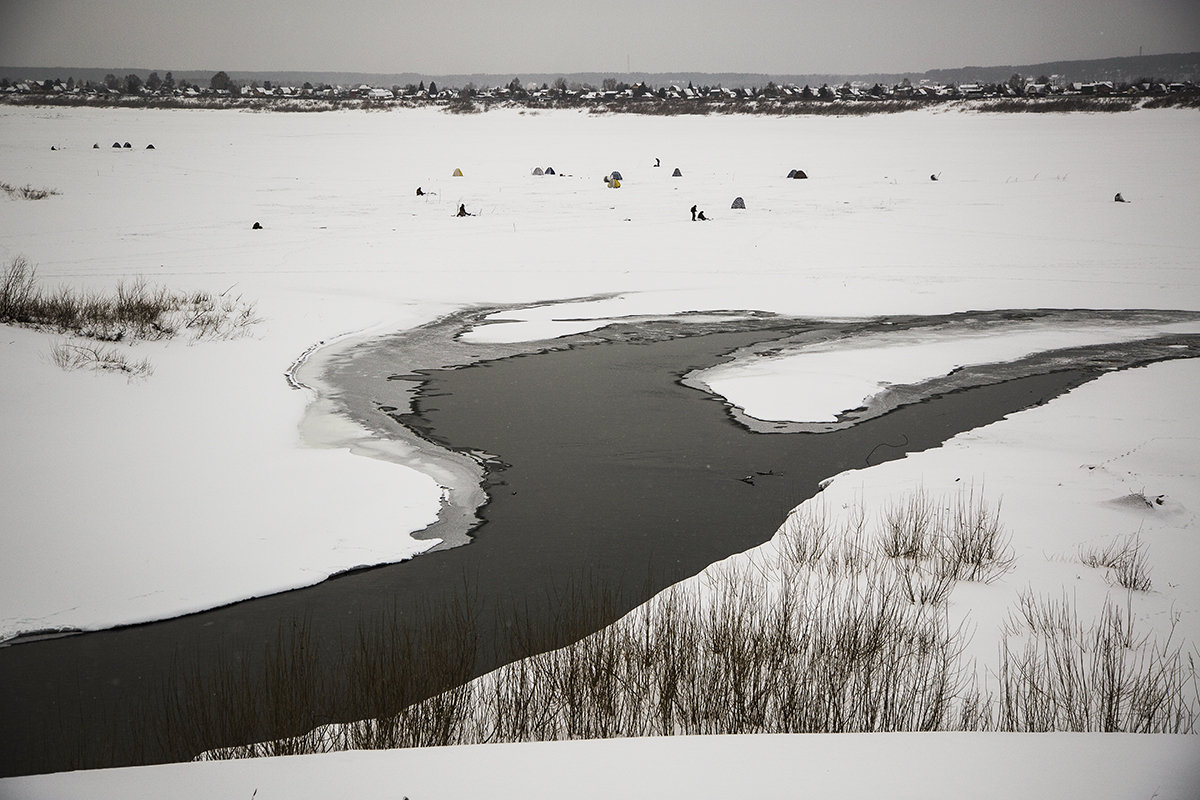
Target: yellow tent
[(614, 184), (457, 173)]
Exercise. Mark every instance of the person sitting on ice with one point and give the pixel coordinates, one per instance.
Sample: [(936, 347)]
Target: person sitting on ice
[(1119, 199), (462, 210), (420, 192), (702, 218)]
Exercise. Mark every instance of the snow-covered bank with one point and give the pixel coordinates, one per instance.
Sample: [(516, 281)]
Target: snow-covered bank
[(129, 501), (1114, 458), (868, 766), (816, 383)]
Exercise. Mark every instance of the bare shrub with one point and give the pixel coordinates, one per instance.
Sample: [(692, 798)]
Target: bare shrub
[(1125, 559), (18, 289), (1177, 100), (134, 311), (926, 582), (805, 536), (1056, 105), (220, 316), (26, 192), (808, 539), (71, 356), (1062, 675), (976, 542), (933, 544), (911, 527), (853, 549)]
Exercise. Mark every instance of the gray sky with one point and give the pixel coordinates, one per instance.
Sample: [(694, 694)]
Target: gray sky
[(514, 36)]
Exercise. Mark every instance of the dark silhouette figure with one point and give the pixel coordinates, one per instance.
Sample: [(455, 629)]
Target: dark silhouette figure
[(702, 218), (420, 192), (1119, 199), (462, 210), (933, 177), (256, 227), (693, 213), (658, 162)]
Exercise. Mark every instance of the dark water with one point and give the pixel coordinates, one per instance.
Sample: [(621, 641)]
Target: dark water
[(612, 473)]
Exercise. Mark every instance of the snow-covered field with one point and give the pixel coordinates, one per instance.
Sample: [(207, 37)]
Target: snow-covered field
[(214, 480)]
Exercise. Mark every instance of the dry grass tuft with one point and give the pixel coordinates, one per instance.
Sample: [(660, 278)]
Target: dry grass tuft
[(26, 192)]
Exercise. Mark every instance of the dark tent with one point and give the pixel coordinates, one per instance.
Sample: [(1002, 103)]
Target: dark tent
[(799, 173), (537, 170), (677, 173), (738, 203), (550, 171), (96, 146), (128, 146), (149, 147), (615, 176), (117, 145)]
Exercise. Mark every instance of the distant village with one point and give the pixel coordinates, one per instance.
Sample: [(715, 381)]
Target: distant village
[(612, 94)]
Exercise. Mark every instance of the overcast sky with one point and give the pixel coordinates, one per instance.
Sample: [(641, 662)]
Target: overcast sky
[(515, 36)]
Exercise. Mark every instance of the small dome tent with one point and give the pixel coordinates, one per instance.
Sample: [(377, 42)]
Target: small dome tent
[(550, 171), (677, 173), (798, 173), (96, 146), (613, 183), (537, 170), (457, 173), (615, 176), (117, 145), (127, 146), (738, 203)]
